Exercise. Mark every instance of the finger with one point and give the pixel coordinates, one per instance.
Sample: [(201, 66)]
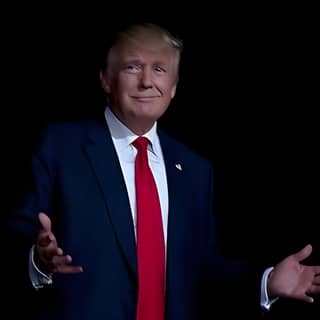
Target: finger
[(308, 299), (51, 250), (303, 253), (45, 221), (305, 297), (63, 268), (314, 289), (316, 270), (45, 238), (68, 269), (59, 252), (62, 264), (53, 247), (316, 280), (61, 260)]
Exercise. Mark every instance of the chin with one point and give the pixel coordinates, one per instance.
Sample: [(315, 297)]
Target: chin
[(147, 112)]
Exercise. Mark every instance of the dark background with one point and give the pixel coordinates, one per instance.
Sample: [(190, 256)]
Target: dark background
[(247, 100)]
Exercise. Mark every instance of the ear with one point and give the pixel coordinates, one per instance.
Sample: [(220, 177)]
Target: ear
[(105, 82), (173, 91)]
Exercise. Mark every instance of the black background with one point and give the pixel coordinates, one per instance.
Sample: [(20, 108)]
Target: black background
[(247, 100)]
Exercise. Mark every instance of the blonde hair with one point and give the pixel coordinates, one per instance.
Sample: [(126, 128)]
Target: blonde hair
[(145, 33)]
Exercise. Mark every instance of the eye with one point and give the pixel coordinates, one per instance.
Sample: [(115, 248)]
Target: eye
[(131, 68), (160, 69)]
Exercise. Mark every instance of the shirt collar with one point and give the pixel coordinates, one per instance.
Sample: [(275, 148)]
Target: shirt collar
[(123, 136)]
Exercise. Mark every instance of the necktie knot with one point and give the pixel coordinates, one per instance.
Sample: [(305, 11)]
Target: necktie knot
[(141, 144)]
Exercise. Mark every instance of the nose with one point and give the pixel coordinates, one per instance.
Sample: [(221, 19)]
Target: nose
[(146, 79)]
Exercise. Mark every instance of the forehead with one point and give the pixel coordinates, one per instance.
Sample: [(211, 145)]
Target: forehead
[(147, 52), (150, 50)]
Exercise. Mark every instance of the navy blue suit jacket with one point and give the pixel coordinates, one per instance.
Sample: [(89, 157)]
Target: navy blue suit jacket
[(77, 181)]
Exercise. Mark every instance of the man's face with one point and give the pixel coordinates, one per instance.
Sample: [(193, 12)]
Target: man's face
[(141, 81)]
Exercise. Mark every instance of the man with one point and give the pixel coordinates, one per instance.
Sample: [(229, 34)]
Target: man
[(80, 224)]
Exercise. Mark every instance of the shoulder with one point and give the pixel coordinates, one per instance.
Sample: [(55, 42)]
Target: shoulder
[(63, 135), (64, 132), (70, 129)]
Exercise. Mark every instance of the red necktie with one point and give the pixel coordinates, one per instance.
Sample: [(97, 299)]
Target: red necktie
[(150, 239)]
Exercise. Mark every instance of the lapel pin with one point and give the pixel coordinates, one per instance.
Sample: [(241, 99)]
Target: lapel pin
[(178, 166)]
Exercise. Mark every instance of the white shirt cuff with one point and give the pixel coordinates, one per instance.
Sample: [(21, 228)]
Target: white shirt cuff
[(265, 301), (37, 277)]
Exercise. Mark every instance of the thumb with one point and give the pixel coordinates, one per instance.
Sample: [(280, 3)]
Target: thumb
[(45, 221), (303, 253)]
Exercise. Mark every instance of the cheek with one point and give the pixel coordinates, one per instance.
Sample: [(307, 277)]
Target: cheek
[(170, 90), (127, 80)]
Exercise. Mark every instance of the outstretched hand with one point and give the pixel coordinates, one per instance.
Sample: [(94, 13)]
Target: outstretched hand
[(49, 255), (292, 279)]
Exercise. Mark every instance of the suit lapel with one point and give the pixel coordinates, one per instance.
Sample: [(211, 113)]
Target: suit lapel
[(102, 154), (178, 222)]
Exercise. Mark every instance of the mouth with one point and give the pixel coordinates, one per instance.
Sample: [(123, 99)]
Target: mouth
[(145, 99)]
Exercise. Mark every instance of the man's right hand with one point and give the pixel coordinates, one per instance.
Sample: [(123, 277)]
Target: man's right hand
[(48, 256)]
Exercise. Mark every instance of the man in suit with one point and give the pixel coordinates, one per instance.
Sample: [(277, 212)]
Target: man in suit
[(77, 226)]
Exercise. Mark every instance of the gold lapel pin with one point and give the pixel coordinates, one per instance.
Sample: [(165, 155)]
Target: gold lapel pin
[(178, 166)]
